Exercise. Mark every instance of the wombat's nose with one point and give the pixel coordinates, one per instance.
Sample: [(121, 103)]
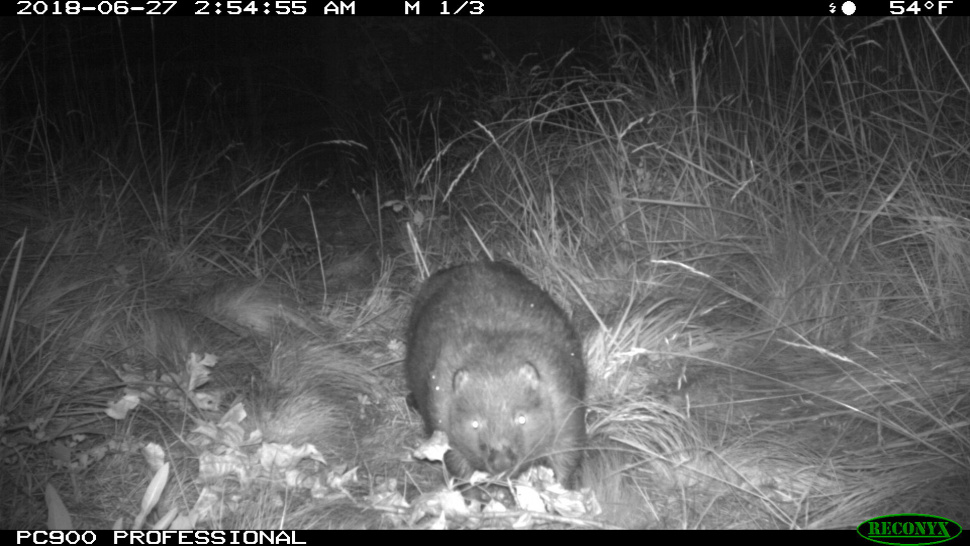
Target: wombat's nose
[(501, 459)]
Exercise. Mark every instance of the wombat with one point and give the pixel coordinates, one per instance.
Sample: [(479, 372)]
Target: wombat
[(494, 363)]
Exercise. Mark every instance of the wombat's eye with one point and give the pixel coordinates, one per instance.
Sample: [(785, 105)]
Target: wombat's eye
[(475, 424), (520, 419)]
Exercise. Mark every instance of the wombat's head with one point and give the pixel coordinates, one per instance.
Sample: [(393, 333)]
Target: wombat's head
[(500, 422)]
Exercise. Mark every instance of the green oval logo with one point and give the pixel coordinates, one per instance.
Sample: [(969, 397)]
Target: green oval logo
[(909, 529)]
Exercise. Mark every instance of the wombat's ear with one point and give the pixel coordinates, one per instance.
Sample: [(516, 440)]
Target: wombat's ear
[(528, 374), (460, 380)]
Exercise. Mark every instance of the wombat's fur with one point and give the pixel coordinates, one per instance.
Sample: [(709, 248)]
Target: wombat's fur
[(494, 363)]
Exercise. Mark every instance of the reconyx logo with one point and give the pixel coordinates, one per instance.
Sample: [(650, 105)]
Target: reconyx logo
[(909, 529)]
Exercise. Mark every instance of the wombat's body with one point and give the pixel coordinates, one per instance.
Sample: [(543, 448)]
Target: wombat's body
[(495, 364)]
